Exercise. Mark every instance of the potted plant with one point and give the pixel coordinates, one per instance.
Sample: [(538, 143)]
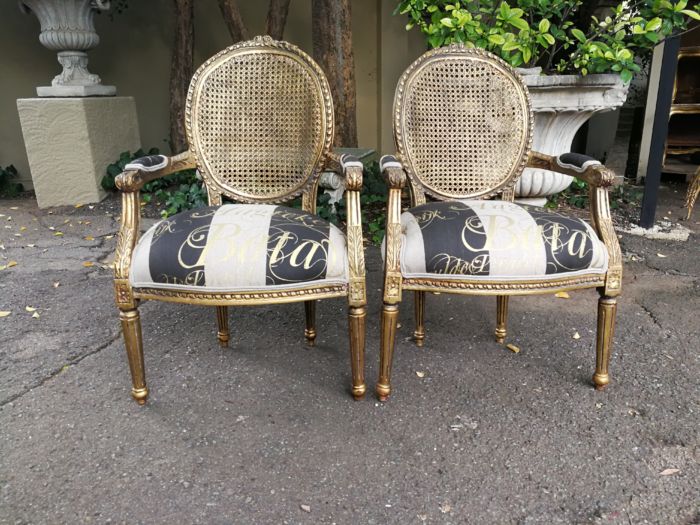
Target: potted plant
[(575, 64)]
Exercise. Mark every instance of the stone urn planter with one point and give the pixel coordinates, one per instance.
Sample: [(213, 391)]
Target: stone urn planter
[(67, 26), (561, 105)]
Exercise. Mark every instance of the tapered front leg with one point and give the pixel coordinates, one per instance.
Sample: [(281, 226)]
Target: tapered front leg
[(310, 331), (356, 319), (501, 318), (390, 315), (222, 321), (131, 328), (607, 308), (419, 306)]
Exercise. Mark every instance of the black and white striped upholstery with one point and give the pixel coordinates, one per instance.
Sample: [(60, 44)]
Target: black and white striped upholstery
[(491, 239), (240, 247)]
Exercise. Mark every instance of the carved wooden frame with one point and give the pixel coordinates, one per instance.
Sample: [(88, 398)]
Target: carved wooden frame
[(130, 183), (398, 174)]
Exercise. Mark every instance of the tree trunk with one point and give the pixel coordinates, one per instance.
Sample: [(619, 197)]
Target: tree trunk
[(277, 18), (181, 70), (332, 48), (233, 19)]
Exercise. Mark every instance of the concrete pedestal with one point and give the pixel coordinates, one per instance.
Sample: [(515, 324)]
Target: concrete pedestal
[(70, 142)]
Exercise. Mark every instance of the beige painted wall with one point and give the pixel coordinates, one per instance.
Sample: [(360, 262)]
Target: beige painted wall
[(134, 55)]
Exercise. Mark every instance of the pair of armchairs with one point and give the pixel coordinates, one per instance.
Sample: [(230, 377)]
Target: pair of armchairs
[(259, 122)]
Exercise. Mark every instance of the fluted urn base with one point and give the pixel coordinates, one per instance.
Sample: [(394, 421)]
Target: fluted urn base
[(561, 105)]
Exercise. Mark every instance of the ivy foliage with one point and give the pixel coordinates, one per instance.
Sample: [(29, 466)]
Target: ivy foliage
[(8, 187), (543, 33)]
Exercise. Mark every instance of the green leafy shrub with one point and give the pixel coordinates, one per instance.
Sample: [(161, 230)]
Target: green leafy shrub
[(9, 188), (545, 33)]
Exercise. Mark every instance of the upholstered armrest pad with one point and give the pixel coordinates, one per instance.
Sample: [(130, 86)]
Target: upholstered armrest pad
[(145, 169), (148, 164), (350, 161), (389, 161), (576, 162)]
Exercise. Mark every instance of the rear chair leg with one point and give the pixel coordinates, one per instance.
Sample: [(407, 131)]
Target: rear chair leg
[(501, 318), (310, 331), (356, 317), (390, 315), (131, 328), (607, 308), (419, 305), (222, 320)]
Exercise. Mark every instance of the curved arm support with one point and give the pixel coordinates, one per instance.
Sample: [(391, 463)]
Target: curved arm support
[(395, 178), (130, 182), (351, 169), (585, 168), (146, 169), (599, 179)]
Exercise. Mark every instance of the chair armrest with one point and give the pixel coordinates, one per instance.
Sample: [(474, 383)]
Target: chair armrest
[(146, 169), (393, 172), (584, 167), (351, 170), (599, 179), (395, 178), (137, 173)]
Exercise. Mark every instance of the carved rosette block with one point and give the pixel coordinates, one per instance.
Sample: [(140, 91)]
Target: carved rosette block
[(561, 105), (67, 26)]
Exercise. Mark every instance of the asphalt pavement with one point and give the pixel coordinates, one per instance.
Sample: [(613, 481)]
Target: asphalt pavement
[(267, 432)]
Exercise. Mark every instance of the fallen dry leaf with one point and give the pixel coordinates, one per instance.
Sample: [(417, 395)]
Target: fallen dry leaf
[(661, 255), (30, 309), (58, 234), (445, 508), (11, 264), (513, 348), (420, 374), (305, 508), (88, 264), (89, 238), (576, 335), (57, 284), (669, 472), (78, 205), (35, 315), (4, 314), (22, 228), (562, 295)]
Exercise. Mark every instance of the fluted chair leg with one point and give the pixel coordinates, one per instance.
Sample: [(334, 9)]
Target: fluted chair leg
[(356, 318), (419, 306), (501, 318), (131, 328), (390, 315), (222, 320), (310, 331), (607, 308)]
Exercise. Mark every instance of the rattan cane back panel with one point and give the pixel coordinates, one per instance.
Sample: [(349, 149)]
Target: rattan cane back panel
[(462, 123), (259, 120)]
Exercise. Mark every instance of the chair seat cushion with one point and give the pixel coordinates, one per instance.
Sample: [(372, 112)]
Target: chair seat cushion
[(240, 247), (493, 240)]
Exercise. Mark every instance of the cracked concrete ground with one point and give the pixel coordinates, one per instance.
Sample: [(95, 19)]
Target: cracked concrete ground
[(252, 433)]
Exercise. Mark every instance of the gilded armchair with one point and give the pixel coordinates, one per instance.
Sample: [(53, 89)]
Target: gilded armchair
[(463, 128), (259, 120)]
